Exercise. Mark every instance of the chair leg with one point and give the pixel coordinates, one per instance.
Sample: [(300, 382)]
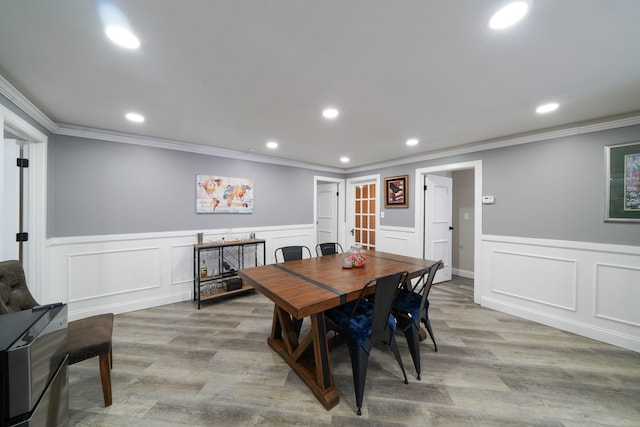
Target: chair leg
[(428, 325), (396, 353), (412, 334), (359, 363), (105, 377)]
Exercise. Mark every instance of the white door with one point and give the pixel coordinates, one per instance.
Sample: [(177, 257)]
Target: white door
[(10, 201), (438, 223), (327, 213)]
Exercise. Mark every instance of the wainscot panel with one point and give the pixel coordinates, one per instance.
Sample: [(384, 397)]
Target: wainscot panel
[(396, 240), (122, 273), (586, 288)]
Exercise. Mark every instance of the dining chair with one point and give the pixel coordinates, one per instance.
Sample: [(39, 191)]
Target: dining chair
[(411, 306), (290, 253), (364, 323), (328, 248), (86, 338)]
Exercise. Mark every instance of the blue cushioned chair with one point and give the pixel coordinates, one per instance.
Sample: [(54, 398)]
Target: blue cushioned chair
[(328, 248), (412, 306), (364, 323), (290, 253)]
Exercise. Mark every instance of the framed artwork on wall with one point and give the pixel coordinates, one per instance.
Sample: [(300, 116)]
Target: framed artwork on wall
[(396, 191), (623, 182), (218, 194)]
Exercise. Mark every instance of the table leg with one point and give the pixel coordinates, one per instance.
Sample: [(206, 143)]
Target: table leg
[(308, 357)]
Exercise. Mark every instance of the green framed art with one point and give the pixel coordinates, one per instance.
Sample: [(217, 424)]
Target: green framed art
[(623, 182)]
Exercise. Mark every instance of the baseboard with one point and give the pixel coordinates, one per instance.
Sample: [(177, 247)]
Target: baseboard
[(590, 331), (128, 306), (462, 273)]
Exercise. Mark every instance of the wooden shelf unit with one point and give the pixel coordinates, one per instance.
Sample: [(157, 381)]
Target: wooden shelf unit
[(222, 261)]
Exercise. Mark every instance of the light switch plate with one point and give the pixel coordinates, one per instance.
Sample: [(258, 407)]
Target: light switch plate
[(487, 200)]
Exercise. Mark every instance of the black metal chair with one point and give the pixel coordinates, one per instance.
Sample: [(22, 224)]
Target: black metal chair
[(290, 253), (411, 306), (364, 323), (328, 248)]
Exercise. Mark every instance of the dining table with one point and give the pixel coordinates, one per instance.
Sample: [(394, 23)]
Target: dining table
[(306, 288)]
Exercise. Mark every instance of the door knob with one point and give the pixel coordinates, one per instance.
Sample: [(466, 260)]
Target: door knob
[(450, 228)]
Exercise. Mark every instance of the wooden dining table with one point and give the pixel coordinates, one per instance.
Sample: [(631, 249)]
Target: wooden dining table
[(308, 287)]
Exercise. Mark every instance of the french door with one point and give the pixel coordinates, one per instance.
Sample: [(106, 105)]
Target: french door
[(363, 212)]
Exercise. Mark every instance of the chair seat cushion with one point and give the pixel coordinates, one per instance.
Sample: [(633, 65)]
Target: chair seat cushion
[(89, 337), (409, 302), (357, 327)]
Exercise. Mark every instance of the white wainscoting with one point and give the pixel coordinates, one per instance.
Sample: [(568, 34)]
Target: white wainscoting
[(122, 273), (589, 289), (396, 240)]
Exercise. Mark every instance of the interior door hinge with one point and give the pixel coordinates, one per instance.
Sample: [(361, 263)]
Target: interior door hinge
[(425, 187), (22, 237), (22, 163), (337, 194)]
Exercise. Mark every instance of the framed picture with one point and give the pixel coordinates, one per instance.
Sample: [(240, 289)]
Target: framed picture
[(396, 192), (219, 194), (623, 182)]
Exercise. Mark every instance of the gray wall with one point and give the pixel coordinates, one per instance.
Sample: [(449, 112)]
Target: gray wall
[(99, 187), (550, 189)]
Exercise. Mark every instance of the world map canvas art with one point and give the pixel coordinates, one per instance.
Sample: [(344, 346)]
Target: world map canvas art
[(217, 194)]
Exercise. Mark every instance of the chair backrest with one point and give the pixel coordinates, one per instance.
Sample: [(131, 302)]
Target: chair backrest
[(14, 293), (423, 286), (386, 290), (328, 248), (290, 253)]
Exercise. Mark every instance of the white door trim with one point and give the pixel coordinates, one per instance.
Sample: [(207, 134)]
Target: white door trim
[(341, 205), (476, 165), (36, 217)]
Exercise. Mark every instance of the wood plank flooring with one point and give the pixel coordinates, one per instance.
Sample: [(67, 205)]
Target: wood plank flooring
[(176, 366)]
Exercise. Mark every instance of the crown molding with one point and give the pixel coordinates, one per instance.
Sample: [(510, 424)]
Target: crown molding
[(104, 135), (20, 101), (17, 98), (507, 142)]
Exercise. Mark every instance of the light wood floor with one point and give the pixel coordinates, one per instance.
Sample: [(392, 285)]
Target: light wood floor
[(176, 365)]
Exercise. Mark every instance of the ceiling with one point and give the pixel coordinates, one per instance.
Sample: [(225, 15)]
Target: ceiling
[(235, 74)]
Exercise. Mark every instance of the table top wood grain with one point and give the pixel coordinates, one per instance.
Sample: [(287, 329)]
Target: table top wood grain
[(310, 286)]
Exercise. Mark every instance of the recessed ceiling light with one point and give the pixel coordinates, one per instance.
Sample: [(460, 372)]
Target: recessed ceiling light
[(547, 108), (344, 159), (508, 15), (412, 142), (135, 117), (122, 37), (272, 145), (330, 113)]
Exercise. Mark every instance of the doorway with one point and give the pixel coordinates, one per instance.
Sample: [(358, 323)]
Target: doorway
[(362, 213), (329, 209), (14, 130), (476, 167)]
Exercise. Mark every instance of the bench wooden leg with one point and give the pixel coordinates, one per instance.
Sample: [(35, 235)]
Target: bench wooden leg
[(105, 376)]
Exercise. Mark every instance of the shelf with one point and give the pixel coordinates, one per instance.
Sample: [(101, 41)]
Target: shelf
[(222, 261), (221, 294)]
